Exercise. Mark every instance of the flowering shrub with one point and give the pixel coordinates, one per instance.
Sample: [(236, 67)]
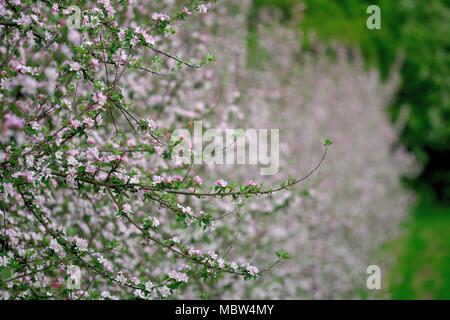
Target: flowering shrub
[(90, 96), (87, 177)]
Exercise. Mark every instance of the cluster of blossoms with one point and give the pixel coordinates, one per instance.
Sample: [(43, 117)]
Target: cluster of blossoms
[(86, 177)]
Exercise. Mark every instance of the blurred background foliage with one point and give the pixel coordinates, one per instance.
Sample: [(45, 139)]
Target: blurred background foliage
[(415, 34)]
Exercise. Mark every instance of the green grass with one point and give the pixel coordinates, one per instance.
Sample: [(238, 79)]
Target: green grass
[(422, 269)]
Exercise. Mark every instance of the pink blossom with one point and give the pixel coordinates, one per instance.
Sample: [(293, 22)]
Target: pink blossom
[(81, 243), (160, 17), (202, 8), (186, 11), (221, 183), (90, 168), (198, 180), (74, 66), (94, 62), (159, 150), (91, 141), (74, 123), (13, 122), (178, 276), (148, 38), (126, 208), (89, 123), (157, 179), (99, 98), (131, 142), (251, 183)]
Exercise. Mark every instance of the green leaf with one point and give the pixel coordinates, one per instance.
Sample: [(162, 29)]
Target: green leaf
[(283, 254)]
